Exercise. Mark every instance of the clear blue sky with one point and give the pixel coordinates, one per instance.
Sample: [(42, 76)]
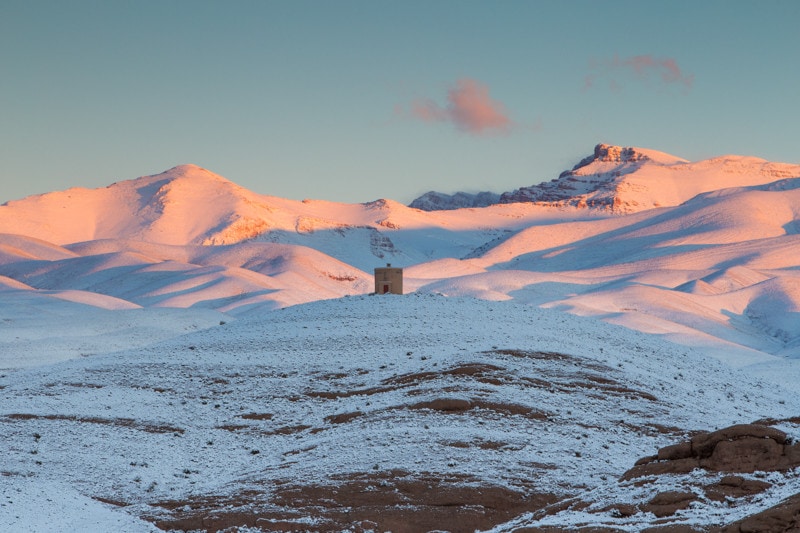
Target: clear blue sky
[(357, 100)]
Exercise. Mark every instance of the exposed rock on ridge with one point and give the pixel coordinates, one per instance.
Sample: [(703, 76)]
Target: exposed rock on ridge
[(437, 201), (595, 182)]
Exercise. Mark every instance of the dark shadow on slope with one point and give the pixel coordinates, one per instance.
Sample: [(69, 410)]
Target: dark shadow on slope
[(147, 193)]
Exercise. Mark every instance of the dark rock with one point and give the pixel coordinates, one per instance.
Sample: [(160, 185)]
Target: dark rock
[(704, 443), (740, 448), (667, 503), (647, 459), (746, 454), (782, 518), (676, 451), (734, 487)]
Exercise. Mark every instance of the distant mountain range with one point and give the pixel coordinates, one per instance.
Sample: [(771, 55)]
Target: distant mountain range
[(695, 250), (436, 201)]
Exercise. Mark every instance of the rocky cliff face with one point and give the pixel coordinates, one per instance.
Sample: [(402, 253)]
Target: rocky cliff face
[(594, 182)]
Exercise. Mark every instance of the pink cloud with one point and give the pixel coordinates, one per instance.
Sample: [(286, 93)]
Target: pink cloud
[(469, 108), (643, 67)]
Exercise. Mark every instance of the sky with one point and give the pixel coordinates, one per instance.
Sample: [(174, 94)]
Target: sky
[(351, 101)]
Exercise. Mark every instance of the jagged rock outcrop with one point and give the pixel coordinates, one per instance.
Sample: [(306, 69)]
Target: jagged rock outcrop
[(742, 448), (594, 182), (735, 459), (437, 201)]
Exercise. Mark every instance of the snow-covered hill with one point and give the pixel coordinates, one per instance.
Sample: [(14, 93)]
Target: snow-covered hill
[(410, 413), (150, 318)]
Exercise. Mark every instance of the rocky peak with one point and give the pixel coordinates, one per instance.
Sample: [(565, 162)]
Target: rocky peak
[(597, 182), (617, 154), (609, 153)]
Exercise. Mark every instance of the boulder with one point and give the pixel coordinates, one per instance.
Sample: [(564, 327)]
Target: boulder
[(743, 448), (784, 517), (667, 503)]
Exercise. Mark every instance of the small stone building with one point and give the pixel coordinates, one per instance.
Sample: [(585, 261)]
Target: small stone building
[(388, 280)]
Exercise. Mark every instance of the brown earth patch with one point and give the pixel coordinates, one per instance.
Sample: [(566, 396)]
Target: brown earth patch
[(342, 417), (257, 416), (479, 371), (482, 444), (458, 405), (119, 422), (397, 501), (445, 405), (288, 430), (233, 427)]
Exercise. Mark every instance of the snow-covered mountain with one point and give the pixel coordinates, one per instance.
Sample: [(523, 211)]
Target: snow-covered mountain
[(190, 315), (628, 179), (188, 237)]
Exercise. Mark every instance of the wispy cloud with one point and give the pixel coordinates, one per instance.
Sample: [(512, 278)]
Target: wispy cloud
[(469, 108), (664, 70)]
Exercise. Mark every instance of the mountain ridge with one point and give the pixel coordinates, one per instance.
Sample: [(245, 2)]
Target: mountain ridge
[(624, 180), (189, 238)]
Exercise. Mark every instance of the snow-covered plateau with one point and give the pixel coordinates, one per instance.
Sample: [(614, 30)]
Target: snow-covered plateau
[(179, 353)]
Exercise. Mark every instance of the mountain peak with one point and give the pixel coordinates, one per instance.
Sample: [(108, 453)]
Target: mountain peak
[(593, 182), (190, 171), (605, 180), (609, 153)]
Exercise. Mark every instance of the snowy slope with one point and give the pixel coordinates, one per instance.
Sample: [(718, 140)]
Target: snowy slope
[(259, 415)]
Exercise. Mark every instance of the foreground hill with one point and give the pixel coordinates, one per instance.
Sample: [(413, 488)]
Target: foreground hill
[(411, 413)]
